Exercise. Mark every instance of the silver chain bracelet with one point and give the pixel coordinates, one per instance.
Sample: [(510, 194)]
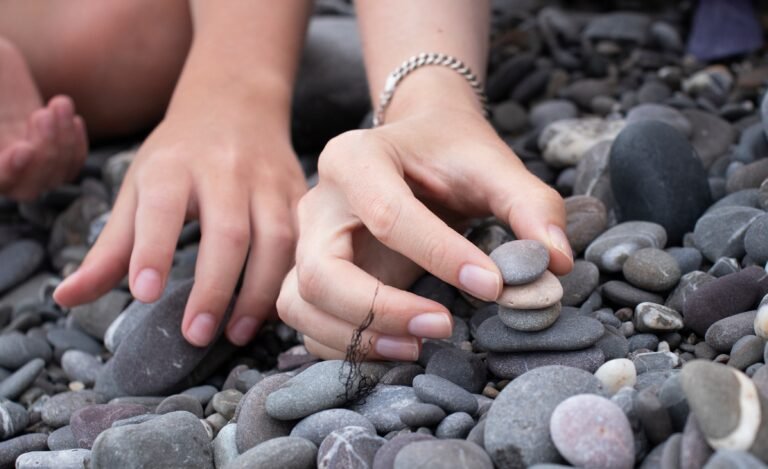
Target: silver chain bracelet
[(421, 60)]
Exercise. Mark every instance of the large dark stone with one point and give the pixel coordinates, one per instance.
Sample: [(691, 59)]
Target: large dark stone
[(657, 176)]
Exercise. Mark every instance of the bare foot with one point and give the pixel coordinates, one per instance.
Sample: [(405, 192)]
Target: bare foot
[(40, 146)]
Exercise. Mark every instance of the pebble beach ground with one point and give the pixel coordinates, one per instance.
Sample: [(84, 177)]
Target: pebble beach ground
[(652, 353)]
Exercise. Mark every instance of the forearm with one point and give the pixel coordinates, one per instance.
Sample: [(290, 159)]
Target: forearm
[(244, 53), (395, 30)]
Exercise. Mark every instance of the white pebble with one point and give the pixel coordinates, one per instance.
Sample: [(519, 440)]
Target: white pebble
[(616, 374), (761, 322)]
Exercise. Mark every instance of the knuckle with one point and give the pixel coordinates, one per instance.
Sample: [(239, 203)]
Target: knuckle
[(335, 157), (281, 237), (383, 216), (310, 277), (435, 252), (234, 234)]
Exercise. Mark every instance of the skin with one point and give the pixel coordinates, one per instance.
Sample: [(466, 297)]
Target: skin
[(389, 200), (217, 157)]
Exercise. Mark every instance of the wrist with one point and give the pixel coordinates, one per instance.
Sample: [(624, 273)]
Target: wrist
[(430, 89)]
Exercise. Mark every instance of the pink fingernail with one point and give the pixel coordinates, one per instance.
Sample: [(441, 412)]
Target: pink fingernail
[(147, 286), (243, 330), (559, 241), (397, 348), (480, 282), (431, 325), (201, 330)]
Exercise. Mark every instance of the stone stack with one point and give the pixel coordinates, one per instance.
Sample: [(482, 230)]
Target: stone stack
[(532, 328)]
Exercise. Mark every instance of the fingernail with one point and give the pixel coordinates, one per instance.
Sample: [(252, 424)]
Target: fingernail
[(243, 329), (397, 348), (431, 325), (201, 330), (559, 241), (148, 285), (480, 282)]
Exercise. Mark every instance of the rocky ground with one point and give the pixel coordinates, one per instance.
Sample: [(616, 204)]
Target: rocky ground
[(650, 354)]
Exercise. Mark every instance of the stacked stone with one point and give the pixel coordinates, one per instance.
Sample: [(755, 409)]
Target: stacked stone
[(532, 328)]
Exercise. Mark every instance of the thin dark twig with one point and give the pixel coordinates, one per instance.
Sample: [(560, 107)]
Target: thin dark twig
[(357, 385)]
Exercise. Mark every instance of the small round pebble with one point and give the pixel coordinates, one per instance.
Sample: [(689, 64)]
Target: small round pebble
[(318, 426), (591, 431), (616, 374), (456, 425), (439, 391), (286, 452), (652, 269), (529, 320), (541, 293), (521, 261), (421, 415)]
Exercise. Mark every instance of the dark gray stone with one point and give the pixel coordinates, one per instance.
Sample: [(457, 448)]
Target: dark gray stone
[(521, 261), (449, 396), (254, 425), (720, 232), (19, 260), (570, 332), (88, 422), (382, 407), (318, 426), (512, 365)]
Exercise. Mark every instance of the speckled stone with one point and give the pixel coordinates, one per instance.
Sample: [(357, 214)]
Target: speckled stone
[(285, 452), (318, 426), (720, 232), (564, 142), (541, 293), (521, 261), (383, 405), (87, 423), (592, 431), (651, 269), (350, 447), (58, 409), (586, 218), (652, 317)]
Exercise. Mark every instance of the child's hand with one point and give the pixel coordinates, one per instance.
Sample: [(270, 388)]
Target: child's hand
[(239, 175), (403, 184)]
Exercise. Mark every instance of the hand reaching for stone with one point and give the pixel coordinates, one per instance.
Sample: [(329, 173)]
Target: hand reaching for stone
[(242, 180), (405, 185)]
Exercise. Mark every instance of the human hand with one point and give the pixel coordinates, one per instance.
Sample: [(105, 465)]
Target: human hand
[(405, 184), (239, 175)]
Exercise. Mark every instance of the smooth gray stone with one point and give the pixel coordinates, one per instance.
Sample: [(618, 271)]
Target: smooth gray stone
[(746, 351), (512, 365), (382, 407), (318, 426), (202, 393), (624, 294), (660, 113), (349, 447), (402, 375), (385, 456), (17, 349), (716, 394), (521, 261), (13, 418), (651, 269), (179, 402), (546, 112), (63, 459), (688, 259), (19, 260), (319, 387), (529, 320), (59, 408), (439, 391), (654, 361), (133, 420), (247, 379), (456, 425), (225, 402), (463, 368), (141, 366), (694, 449), (421, 415), (612, 248), (254, 425), (14, 385), (286, 452), (643, 341), (81, 366), (724, 266), (613, 344), (733, 459), (754, 240), (177, 439), (442, 454), (72, 339), (11, 449), (579, 283), (517, 426), (724, 334), (225, 446), (62, 438), (672, 397), (688, 284), (720, 233), (96, 317), (569, 332), (125, 323), (711, 136)]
